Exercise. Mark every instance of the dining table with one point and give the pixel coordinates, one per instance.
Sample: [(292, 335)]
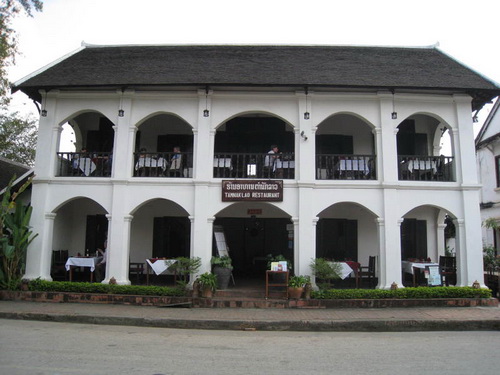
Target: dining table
[(85, 165), (88, 262), (160, 266), (412, 267)]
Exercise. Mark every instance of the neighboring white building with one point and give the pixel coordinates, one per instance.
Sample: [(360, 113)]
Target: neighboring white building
[(361, 173), (488, 163)]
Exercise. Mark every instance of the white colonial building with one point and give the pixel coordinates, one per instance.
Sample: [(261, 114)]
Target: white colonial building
[(360, 170), (488, 159)]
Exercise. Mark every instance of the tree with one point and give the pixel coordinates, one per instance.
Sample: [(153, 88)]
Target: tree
[(18, 138), (17, 135), (8, 41), (15, 236)]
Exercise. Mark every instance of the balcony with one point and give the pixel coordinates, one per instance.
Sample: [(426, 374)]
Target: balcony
[(254, 165), (84, 164), (426, 168), (163, 164), (345, 167)]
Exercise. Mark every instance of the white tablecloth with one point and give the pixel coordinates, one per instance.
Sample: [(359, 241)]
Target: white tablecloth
[(354, 165), (148, 162), (86, 165), (83, 262), (408, 266), (422, 165), (345, 271), (284, 164), (222, 163), (161, 266)]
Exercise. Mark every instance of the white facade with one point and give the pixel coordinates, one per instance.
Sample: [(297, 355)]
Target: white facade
[(60, 204), (487, 154)]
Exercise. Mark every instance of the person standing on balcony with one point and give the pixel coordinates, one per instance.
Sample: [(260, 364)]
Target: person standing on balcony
[(175, 169), (270, 163)]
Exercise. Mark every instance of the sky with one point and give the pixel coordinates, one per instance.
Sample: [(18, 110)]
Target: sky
[(465, 30)]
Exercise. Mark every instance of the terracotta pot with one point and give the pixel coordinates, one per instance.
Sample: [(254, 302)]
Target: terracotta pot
[(207, 293), (295, 293)]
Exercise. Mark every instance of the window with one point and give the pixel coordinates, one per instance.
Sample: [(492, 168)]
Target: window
[(497, 169)]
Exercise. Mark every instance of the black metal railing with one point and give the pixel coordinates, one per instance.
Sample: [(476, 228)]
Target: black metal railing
[(261, 165), (345, 167), (163, 164), (84, 164), (426, 168)]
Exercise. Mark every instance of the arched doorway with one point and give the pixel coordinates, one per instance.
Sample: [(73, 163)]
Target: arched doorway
[(91, 153), (242, 145), (255, 232)]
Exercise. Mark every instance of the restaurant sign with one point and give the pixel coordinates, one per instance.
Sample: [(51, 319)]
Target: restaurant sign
[(252, 190)]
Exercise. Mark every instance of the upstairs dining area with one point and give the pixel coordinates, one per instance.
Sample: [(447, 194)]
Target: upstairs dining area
[(345, 149)]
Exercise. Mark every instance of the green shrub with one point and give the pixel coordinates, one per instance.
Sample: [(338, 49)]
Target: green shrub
[(98, 288), (404, 293)]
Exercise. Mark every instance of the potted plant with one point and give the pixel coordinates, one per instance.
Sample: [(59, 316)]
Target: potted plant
[(296, 286), (208, 284), (325, 271), (222, 268), (184, 267)]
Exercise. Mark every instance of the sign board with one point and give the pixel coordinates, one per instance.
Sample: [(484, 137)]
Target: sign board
[(252, 190), (220, 241), (433, 276)]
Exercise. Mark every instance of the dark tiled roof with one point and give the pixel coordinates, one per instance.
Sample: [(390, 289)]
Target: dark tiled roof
[(9, 168), (363, 67)]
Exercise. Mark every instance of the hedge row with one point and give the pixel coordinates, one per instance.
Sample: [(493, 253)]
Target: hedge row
[(404, 293), (75, 287)]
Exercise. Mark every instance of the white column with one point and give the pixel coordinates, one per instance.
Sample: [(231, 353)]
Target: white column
[(201, 244), (39, 259), (465, 149), (118, 250), (387, 154), (390, 246), (440, 240), (124, 139), (460, 252), (203, 150), (312, 253), (382, 258), (305, 141), (39, 254), (48, 133)]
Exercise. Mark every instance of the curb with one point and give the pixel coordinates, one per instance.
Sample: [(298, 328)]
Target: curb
[(247, 325)]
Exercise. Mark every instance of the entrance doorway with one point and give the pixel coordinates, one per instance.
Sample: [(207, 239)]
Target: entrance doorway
[(96, 233), (251, 240)]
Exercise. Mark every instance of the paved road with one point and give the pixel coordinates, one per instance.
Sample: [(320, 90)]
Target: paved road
[(45, 348)]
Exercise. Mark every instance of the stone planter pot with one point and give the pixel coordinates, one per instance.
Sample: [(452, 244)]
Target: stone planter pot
[(295, 293), (223, 276)]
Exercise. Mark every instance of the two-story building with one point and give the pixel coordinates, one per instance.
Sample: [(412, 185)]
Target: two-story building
[(172, 141)]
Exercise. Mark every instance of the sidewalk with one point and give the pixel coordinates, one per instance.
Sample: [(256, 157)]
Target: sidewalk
[(390, 319)]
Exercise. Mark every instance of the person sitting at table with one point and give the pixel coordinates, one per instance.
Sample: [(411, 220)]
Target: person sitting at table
[(270, 160), (175, 169), (100, 268)]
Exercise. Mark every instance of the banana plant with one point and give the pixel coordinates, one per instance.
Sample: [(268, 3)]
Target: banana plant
[(15, 237)]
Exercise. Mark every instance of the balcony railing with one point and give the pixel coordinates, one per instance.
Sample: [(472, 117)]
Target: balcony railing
[(84, 164), (345, 167), (163, 164), (262, 165), (426, 168)]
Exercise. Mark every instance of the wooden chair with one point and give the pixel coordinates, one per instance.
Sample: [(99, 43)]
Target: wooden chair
[(448, 269), (136, 269), (367, 272), (58, 268)]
